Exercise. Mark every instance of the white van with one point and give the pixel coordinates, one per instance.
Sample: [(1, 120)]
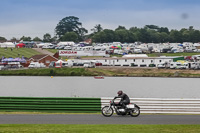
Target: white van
[(89, 64), (36, 65)]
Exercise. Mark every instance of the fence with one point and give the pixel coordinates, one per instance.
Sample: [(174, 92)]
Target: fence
[(48, 104), (161, 105), (92, 105)]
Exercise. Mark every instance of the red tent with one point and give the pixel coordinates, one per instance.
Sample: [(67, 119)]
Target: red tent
[(20, 45)]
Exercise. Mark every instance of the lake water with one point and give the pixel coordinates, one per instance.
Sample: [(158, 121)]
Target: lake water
[(135, 87)]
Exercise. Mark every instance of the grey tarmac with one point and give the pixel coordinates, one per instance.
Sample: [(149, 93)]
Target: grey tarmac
[(96, 119)]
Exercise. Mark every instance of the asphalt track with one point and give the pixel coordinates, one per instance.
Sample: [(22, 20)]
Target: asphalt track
[(96, 119)]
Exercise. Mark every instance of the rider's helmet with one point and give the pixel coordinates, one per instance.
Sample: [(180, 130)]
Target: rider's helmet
[(119, 93)]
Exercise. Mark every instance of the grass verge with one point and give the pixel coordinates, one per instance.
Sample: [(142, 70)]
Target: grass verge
[(104, 71), (48, 72), (59, 128)]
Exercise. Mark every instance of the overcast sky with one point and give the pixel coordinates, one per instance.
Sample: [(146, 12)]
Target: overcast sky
[(37, 17)]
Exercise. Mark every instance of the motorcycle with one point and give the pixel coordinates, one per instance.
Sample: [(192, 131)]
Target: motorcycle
[(131, 109)]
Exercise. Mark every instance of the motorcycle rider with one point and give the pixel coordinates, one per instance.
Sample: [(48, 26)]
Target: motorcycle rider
[(124, 99)]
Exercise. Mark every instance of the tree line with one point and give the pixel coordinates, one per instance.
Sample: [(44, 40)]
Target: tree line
[(147, 34), (70, 29)]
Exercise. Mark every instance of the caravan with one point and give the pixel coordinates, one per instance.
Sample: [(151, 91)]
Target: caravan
[(194, 65), (178, 65), (89, 64), (175, 65), (36, 65), (60, 63)]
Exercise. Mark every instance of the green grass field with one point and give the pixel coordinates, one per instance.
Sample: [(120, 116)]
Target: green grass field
[(26, 52), (61, 128)]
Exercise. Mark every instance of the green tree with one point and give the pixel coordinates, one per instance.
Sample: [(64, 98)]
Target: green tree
[(70, 36), (191, 28), (81, 34), (47, 37), (163, 29), (99, 37), (3, 39), (154, 36), (133, 36), (97, 28), (164, 37), (122, 35), (175, 36), (147, 34), (25, 38), (134, 29), (153, 27), (109, 35), (54, 39), (120, 28), (185, 34), (14, 39), (70, 24), (195, 36), (144, 36), (37, 39)]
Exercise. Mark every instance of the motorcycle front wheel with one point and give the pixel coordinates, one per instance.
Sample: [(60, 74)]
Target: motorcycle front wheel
[(107, 111), (135, 112)]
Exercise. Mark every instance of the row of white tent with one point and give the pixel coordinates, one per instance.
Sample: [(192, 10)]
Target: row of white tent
[(7, 44), (60, 43), (12, 45)]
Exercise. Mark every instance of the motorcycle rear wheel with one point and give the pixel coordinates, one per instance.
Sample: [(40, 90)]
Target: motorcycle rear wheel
[(135, 112), (107, 111)]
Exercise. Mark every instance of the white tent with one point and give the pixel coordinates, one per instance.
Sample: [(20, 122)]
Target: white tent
[(65, 43), (7, 44), (43, 44)]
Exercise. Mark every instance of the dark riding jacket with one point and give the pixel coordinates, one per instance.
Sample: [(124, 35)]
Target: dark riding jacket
[(124, 98)]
